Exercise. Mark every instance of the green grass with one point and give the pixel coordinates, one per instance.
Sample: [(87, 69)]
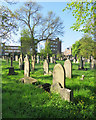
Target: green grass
[(28, 101)]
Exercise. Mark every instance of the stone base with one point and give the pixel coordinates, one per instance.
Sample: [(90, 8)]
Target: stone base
[(65, 93), (28, 80), (11, 71)]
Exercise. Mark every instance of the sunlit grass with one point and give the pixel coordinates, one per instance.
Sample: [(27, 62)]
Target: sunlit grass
[(29, 101)]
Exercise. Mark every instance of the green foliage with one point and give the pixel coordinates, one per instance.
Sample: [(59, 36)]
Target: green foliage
[(75, 48), (85, 15), (25, 41), (84, 47), (29, 101), (48, 48)]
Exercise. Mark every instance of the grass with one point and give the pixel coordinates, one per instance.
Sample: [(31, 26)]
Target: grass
[(28, 101)]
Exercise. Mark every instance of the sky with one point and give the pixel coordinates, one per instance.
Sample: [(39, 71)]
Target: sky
[(66, 17)]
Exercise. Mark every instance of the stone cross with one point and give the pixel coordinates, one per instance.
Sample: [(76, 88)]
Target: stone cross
[(68, 68), (46, 67)]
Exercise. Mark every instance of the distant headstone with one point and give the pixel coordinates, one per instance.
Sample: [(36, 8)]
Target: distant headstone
[(21, 65), (74, 61), (26, 67), (68, 68), (51, 59), (81, 63), (46, 67), (32, 63), (59, 83), (7, 60), (37, 59), (93, 64), (16, 57)]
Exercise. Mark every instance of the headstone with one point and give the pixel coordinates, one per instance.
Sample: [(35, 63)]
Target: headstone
[(81, 63), (7, 60), (32, 63), (74, 61), (93, 64), (59, 75), (21, 65), (51, 59), (68, 68), (16, 57), (46, 67), (37, 59), (26, 67), (59, 83)]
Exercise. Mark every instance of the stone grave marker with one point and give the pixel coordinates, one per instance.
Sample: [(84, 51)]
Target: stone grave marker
[(26, 67), (32, 63), (37, 59), (93, 64), (68, 68), (59, 83), (21, 65), (51, 59), (16, 57), (46, 67)]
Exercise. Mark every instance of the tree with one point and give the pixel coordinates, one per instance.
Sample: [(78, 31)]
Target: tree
[(25, 42), (84, 47), (8, 23), (75, 49), (47, 48), (85, 15), (40, 28)]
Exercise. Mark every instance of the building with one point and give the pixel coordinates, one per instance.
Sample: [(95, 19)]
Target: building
[(55, 46), (9, 49), (68, 51)]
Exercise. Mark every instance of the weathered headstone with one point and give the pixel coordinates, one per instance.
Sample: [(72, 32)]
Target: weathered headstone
[(51, 59), (37, 59), (26, 67), (21, 65), (59, 75), (93, 64), (16, 57), (32, 63), (68, 68), (46, 67), (59, 83), (81, 63)]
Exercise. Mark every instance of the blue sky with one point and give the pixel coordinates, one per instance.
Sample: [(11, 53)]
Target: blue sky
[(70, 36)]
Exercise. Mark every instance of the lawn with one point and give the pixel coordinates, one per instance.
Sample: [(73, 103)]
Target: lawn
[(29, 101)]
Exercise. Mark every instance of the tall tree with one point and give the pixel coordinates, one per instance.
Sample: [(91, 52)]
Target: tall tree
[(40, 28), (76, 49), (8, 23), (85, 14)]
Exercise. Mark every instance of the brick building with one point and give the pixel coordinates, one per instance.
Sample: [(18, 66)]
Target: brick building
[(68, 51), (55, 46)]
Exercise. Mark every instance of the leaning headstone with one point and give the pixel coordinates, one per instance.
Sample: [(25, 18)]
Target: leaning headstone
[(46, 67), (59, 83), (11, 69), (26, 67), (16, 58), (68, 68)]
